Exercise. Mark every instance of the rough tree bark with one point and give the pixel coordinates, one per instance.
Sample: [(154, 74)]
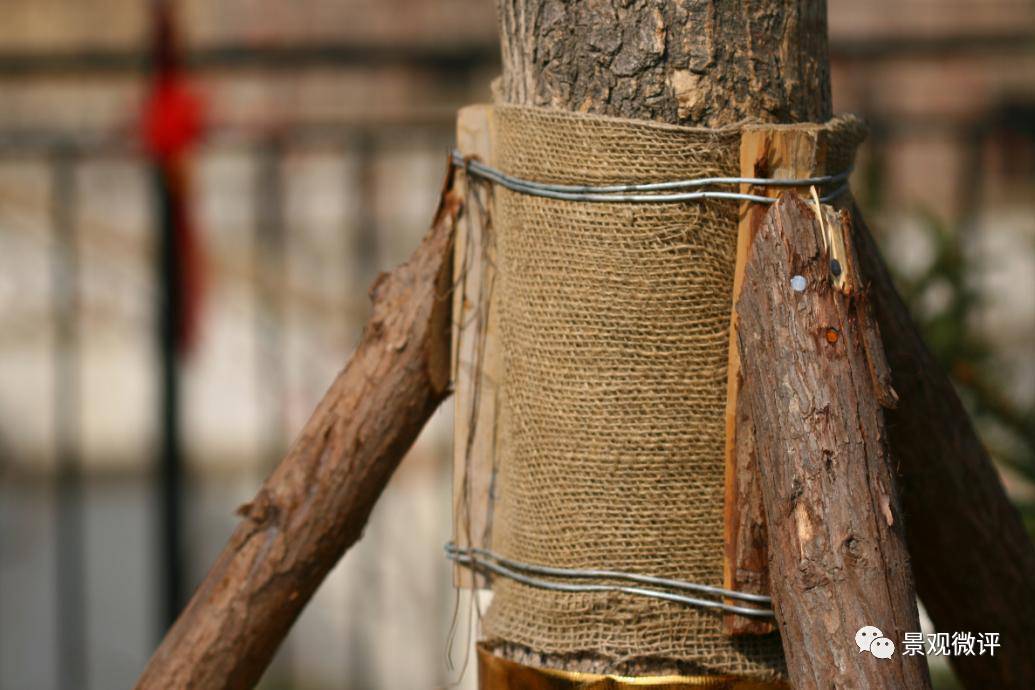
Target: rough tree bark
[(695, 62), (837, 546), (314, 506), (712, 62)]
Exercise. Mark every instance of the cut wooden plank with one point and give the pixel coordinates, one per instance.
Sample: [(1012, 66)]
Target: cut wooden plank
[(476, 359), (818, 377), (778, 152)]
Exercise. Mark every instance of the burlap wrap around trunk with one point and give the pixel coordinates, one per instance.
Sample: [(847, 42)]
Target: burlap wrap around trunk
[(614, 323)]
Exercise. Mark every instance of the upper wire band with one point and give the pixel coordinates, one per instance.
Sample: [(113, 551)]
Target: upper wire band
[(629, 192)]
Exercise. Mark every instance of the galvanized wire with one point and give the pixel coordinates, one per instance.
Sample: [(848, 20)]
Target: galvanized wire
[(634, 193), (524, 573)]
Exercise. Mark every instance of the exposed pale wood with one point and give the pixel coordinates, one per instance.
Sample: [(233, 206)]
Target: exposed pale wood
[(836, 535), (316, 502), (476, 355), (778, 152)]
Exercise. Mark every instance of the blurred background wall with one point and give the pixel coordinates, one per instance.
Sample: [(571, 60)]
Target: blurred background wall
[(327, 127)]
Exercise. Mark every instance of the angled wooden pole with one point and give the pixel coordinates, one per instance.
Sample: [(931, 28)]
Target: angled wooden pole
[(315, 504), (817, 381), (973, 560)]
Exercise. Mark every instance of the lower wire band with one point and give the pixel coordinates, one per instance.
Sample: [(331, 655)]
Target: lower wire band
[(485, 560)]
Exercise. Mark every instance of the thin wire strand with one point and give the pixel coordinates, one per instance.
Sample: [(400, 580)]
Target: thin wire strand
[(626, 192), (639, 591), (482, 170), (609, 574), (482, 558)]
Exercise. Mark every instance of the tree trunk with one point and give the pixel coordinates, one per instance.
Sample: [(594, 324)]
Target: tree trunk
[(837, 547), (707, 62), (695, 62), (315, 504)]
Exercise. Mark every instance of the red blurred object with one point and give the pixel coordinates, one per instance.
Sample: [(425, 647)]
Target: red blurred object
[(171, 123), (172, 120)]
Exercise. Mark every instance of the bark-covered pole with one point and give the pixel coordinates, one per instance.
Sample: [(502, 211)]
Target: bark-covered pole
[(973, 560), (837, 549), (316, 503), (714, 62)]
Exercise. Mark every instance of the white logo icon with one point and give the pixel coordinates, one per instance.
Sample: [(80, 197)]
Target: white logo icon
[(882, 648), (865, 636), (872, 640)]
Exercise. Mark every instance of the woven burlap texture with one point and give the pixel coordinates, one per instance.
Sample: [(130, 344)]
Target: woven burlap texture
[(614, 325)]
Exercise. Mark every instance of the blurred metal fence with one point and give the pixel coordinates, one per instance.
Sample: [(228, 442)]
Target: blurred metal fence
[(296, 222)]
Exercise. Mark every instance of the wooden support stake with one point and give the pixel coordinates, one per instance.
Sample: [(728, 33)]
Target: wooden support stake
[(818, 379), (777, 152), (315, 504), (973, 560), (476, 354)]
